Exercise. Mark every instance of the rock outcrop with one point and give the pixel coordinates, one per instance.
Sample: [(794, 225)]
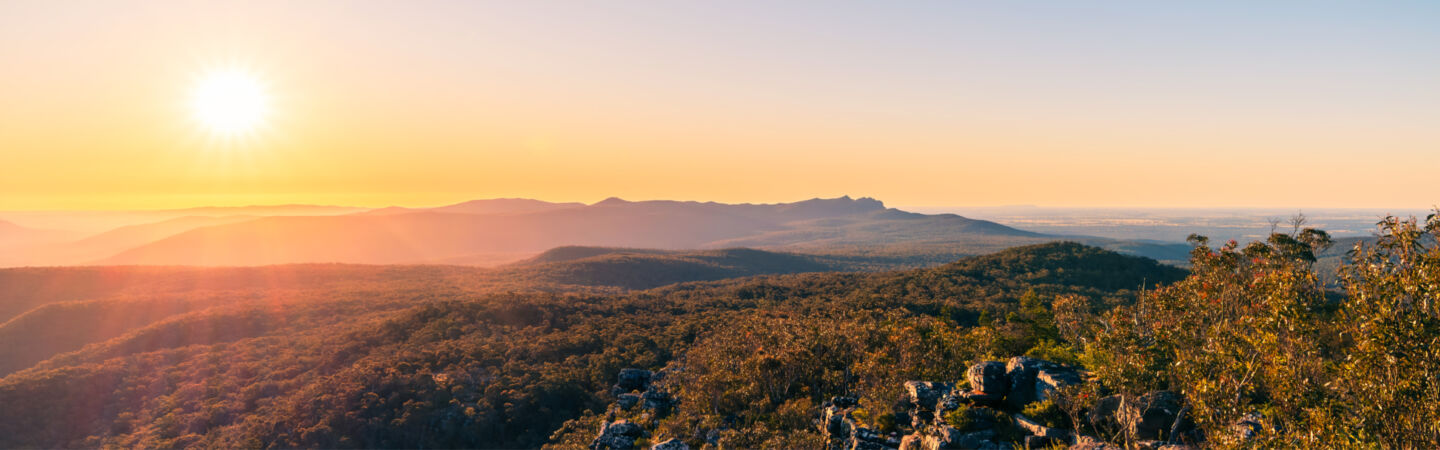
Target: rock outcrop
[(636, 387), (842, 433), (1032, 380), (988, 377), (618, 435), (984, 411), (1155, 416), (633, 380)]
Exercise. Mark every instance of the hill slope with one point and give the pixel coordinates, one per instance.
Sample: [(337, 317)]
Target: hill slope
[(643, 268), (411, 356), (12, 234), (47, 311)]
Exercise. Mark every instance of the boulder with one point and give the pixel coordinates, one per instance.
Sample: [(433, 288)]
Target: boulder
[(924, 394), (949, 403), (866, 439), (634, 379), (1049, 380), (1036, 429), (670, 444), (1083, 442), (1039, 442), (1102, 414), (1247, 428), (1154, 416), (657, 400), (836, 424), (1020, 372), (835, 417), (980, 398), (618, 435), (947, 437), (921, 418), (988, 377), (912, 441), (1161, 445), (1032, 380), (627, 401)]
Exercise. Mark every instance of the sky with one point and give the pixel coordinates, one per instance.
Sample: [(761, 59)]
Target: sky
[(1117, 103)]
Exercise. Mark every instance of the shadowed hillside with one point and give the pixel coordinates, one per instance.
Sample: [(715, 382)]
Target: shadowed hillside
[(643, 269), (46, 311)]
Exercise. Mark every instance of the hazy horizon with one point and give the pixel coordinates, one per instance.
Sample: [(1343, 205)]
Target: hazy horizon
[(925, 208)]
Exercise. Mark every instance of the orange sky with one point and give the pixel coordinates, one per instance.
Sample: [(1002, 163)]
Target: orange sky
[(1129, 104)]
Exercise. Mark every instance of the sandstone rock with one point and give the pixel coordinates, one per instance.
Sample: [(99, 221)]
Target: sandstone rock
[(835, 417), (950, 438), (921, 418), (1036, 429), (867, 445), (1247, 427), (618, 435), (1049, 380), (1039, 442), (670, 444), (911, 441), (1020, 371), (1083, 442), (1154, 415), (1102, 414), (924, 394), (842, 402), (1160, 445), (988, 377), (836, 424), (634, 379), (1032, 380), (980, 398), (866, 439), (627, 401), (657, 400)]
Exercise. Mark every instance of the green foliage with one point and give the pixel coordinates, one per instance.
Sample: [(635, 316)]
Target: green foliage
[(1054, 351), (960, 418), (886, 423), (1253, 330), (1047, 413), (1392, 319)]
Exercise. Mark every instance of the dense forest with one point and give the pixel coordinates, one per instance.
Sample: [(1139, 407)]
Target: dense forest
[(432, 356)]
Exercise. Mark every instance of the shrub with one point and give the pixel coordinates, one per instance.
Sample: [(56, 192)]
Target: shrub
[(1047, 413), (960, 418)]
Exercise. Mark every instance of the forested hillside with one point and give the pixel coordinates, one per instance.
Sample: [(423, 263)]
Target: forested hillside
[(404, 357), (1248, 339)]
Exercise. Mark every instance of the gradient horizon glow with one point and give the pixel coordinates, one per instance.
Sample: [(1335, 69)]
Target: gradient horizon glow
[(1205, 104)]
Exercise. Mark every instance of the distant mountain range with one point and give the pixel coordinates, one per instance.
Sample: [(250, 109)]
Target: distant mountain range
[(510, 226), (497, 231), (12, 234)]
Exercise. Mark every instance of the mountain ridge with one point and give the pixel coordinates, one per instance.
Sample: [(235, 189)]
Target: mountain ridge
[(436, 235)]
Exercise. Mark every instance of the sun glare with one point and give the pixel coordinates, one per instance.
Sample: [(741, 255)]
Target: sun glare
[(229, 102)]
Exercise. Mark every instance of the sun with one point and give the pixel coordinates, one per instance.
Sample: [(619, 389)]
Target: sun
[(230, 102)]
